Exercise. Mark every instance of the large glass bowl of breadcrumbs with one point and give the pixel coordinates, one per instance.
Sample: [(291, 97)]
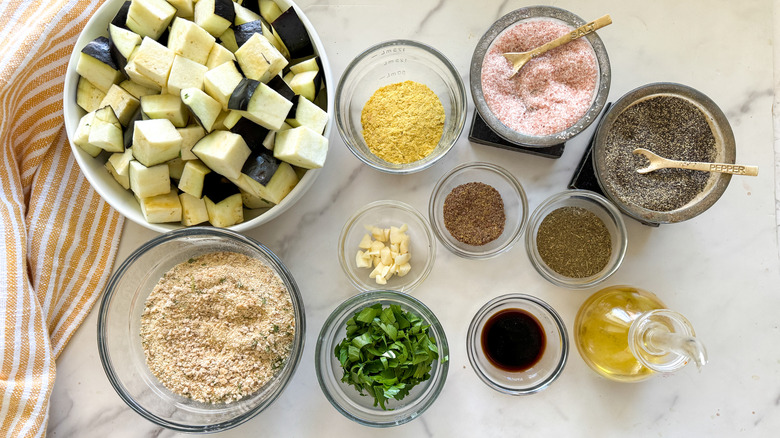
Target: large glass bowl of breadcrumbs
[(200, 329), (400, 106)]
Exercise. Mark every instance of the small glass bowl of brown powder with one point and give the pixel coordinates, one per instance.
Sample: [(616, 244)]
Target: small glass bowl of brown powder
[(478, 210), (200, 329), (576, 239), (400, 106)]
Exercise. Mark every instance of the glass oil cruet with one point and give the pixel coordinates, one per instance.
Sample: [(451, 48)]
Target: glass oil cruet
[(627, 334)]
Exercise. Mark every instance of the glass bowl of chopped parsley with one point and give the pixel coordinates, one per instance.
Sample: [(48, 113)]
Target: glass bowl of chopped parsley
[(576, 239), (382, 358), (400, 106)]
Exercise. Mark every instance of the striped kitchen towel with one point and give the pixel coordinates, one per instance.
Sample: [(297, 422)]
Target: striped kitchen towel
[(58, 236)]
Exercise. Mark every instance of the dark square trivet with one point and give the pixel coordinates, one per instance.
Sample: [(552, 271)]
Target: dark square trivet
[(481, 133)]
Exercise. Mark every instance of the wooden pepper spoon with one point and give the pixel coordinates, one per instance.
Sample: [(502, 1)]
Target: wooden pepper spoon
[(658, 162), (518, 59)]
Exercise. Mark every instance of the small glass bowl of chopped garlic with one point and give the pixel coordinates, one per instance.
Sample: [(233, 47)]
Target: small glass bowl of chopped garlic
[(387, 245)]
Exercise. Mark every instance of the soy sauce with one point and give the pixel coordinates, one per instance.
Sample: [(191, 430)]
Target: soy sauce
[(513, 340)]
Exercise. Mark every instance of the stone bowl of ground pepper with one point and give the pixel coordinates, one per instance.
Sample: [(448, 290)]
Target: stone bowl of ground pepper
[(676, 122), (400, 106), (576, 239), (478, 210)]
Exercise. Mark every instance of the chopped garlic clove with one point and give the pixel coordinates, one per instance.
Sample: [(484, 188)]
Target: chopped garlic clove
[(404, 269), (403, 247), (378, 234), (361, 260), (380, 280), (365, 242), (385, 256), (403, 258), (376, 246), (377, 271)]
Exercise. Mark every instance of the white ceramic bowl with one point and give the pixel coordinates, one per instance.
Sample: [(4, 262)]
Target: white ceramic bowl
[(123, 200)]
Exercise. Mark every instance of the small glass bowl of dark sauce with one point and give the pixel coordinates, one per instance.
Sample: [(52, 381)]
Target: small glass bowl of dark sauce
[(517, 344)]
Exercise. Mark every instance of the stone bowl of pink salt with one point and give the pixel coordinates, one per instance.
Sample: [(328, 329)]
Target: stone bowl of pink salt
[(555, 96)]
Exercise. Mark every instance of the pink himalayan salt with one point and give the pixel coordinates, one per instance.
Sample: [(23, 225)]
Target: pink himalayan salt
[(551, 92)]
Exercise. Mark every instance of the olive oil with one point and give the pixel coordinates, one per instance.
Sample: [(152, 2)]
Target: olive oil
[(602, 331)]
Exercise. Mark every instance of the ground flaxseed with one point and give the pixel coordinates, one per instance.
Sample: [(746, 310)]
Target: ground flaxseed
[(217, 327), (474, 213), (403, 122), (574, 242), (673, 128)]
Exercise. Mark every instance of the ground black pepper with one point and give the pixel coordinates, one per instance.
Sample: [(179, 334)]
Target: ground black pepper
[(574, 242), (474, 213), (670, 126)]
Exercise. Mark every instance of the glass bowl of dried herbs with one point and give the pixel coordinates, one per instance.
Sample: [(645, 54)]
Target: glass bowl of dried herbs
[(400, 106), (478, 210), (381, 358), (576, 239)]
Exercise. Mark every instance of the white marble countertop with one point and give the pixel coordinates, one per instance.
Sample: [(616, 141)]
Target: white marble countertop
[(720, 269)]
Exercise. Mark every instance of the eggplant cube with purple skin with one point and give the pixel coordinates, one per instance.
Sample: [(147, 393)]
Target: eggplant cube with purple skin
[(96, 64)]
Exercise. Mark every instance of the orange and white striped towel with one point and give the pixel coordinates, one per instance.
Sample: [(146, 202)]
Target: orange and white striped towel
[(58, 236)]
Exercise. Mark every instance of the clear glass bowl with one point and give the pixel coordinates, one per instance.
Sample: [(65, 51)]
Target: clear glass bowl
[(512, 194), (345, 398), (119, 341), (392, 62), (384, 214), (534, 13), (543, 372), (599, 206)]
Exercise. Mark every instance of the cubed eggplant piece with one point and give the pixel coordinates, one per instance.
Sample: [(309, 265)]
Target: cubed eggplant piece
[(245, 31), (120, 19), (269, 9), (242, 94), (214, 15), (252, 133), (261, 166), (149, 18), (122, 42), (280, 86), (97, 65), (293, 34), (217, 188)]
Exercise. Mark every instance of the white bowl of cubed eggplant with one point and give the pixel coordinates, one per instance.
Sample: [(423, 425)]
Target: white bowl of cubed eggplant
[(185, 113)]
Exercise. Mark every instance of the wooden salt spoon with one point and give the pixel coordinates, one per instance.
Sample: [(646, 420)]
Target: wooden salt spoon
[(658, 162), (518, 59)]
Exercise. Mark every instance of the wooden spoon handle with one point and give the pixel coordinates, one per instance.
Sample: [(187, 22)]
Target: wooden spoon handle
[(734, 169), (573, 35)]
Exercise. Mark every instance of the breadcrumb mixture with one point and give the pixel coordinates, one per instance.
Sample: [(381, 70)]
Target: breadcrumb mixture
[(217, 327)]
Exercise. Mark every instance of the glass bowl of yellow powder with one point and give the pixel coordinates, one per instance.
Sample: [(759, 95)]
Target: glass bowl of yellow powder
[(400, 106)]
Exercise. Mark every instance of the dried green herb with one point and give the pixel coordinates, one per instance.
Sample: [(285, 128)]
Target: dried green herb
[(574, 242)]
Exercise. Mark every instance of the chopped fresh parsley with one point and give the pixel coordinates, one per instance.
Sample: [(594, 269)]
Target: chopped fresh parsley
[(386, 353)]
